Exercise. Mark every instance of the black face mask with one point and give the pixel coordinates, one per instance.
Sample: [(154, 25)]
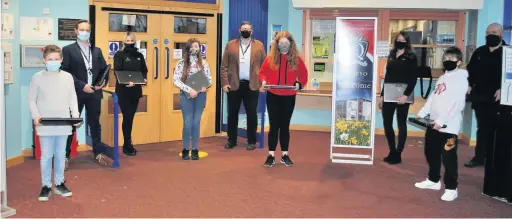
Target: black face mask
[(449, 65), (492, 40), (129, 46), (400, 45), (245, 34)]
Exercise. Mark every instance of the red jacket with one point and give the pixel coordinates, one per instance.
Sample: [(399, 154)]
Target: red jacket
[(283, 76)]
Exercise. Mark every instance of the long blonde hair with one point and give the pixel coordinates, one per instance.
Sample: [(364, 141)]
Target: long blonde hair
[(275, 54)]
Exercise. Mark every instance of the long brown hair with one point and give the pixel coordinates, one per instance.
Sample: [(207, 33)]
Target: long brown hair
[(275, 54), (186, 58)]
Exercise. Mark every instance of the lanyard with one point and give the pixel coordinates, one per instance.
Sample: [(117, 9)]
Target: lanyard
[(87, 58), (246, 48), (285, 72)]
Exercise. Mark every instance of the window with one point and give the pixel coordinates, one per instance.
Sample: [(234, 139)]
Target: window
[(190, 25), (128, 22), (322, 50), (429, 39)]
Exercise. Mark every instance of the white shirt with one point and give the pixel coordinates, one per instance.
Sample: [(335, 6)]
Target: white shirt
[(87, 55), (194, 68), (447, 102), (245, 61)]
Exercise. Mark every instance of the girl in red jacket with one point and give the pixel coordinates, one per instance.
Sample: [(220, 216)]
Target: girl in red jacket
[(283, 66)]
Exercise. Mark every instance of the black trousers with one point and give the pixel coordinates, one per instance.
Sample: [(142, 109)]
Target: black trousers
[(92, 106), (250, 99), (128, 106), (402, 112), (442, 147), (485, 114), (280, 111), (498, 163)]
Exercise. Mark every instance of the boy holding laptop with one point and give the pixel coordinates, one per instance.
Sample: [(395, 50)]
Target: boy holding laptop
[(445, 108)]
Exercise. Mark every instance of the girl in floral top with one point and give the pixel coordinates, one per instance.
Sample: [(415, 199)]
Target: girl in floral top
[(192, 109)]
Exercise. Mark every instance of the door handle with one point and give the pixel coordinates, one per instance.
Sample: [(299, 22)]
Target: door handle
[(167, 50), (156, 65)]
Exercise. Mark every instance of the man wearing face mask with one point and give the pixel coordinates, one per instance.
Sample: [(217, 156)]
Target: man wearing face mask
[(85, 63), (484, 86), (240, 65)]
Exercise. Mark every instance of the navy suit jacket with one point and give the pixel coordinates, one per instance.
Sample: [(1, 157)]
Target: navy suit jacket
[(73, 62)]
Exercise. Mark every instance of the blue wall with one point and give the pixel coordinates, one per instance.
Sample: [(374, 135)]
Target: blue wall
[(13, 103), (19, 124)]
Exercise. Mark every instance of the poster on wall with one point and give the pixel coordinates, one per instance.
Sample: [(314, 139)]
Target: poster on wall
[(321, 45), (7, 26), (353, 112), (7, 64), (36, 28), (276, 28)]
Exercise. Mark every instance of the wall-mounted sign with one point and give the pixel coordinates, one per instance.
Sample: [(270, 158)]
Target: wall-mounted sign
[(155, 41), (203, 50), (113, 47), (166, 41), (66, 28)]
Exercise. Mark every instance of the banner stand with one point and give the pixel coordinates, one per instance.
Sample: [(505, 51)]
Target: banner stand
[(6, 211), (354, 98)]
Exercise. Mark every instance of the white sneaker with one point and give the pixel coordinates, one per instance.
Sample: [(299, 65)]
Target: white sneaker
[(449, 195), (427, 184)]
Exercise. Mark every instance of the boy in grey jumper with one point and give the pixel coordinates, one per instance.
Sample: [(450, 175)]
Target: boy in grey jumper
[(52, 95)]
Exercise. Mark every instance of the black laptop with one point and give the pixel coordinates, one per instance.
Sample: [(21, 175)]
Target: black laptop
[(393, 91), (101, 78), (60, 121), (282, 87), (197, 81), (125, 77), (422, 123)]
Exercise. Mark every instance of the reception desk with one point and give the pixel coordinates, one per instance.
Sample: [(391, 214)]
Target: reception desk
[(313, 112)]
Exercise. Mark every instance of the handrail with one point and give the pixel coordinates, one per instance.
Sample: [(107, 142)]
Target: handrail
[(116, 128), (262, 109)]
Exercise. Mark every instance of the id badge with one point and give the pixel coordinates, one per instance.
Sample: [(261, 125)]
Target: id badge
[(242, 60)]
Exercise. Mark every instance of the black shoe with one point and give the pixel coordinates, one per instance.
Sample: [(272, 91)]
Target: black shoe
[(395, 158), (285, 159), (195, 154), (185, 154), (390, 154), (129, 150), (271, 161), (229, 145), (45, 193), (251, 147), (474, 163), (62, 190)]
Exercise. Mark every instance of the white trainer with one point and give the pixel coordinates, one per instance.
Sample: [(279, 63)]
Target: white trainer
[(427, 184), (450, 195)]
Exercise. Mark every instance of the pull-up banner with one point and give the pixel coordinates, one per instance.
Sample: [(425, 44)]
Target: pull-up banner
[(354, 93)]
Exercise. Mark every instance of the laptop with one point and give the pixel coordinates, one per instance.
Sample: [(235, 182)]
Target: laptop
[(60, 121), (125, 77), (101, 78), (197, 81), (422, 123), (393, 91), (282, 87)]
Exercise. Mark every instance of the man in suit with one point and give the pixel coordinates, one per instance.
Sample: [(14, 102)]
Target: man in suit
[(240, 65), (86, 63)]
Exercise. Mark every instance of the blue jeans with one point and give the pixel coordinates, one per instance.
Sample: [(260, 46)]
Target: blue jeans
[(192, 109), (53, 148)]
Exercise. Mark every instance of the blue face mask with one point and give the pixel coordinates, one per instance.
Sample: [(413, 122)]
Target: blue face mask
[(84, 35), (52, 66)]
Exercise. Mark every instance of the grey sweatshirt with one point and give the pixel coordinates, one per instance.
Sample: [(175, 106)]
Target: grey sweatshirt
[(52, 95)]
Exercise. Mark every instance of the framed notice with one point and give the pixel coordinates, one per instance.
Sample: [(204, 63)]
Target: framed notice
[(66, 28), (354, 93), (32, 56)]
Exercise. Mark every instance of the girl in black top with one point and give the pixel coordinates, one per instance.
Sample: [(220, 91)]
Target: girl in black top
[(401, 68), (129, 59)]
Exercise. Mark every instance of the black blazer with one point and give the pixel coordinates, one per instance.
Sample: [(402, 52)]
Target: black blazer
[(73, 62)]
